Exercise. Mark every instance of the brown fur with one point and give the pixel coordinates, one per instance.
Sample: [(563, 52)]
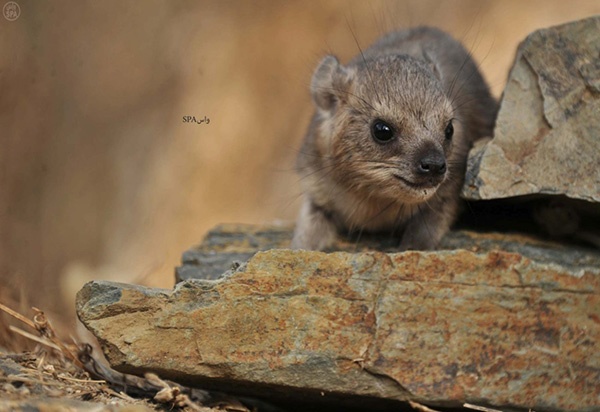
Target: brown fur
[(417, 81)]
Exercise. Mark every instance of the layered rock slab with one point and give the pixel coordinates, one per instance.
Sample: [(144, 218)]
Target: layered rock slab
[(547, 135), (440, 328), (228, 245)]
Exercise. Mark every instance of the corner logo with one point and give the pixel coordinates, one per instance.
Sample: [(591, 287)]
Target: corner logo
[(11, 11)]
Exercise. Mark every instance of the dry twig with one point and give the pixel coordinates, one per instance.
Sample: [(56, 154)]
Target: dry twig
[(16, 315), (422, 408), (480, 408), (34, 338)]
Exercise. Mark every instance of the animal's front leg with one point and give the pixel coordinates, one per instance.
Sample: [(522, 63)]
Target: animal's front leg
[(314, 229)]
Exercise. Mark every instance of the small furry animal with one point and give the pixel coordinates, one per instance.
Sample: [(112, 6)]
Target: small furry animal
[(386, 148)]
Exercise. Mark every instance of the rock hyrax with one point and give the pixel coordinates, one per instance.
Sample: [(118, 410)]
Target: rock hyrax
[(387, 146)]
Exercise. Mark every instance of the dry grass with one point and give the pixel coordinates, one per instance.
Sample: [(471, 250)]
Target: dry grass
[(68, 371)]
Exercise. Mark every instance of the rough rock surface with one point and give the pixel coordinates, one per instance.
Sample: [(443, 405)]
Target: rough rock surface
[(547, 135), (442, 328), (228, 245)]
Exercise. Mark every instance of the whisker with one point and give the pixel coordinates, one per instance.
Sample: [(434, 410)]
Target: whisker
[(362, 55)]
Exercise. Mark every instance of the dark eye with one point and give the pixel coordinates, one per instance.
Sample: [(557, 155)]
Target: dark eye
[(381, 131), (449, 130)]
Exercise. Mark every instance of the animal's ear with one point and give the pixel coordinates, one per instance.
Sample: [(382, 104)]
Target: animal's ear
[(328, 83)]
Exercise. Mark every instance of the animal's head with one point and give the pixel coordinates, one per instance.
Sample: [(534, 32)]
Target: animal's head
[(385, 126)]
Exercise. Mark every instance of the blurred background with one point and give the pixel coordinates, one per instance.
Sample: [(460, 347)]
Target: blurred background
[(101, 178)]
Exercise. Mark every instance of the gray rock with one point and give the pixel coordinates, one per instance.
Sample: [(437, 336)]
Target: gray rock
[(227, 246), (547, 135)]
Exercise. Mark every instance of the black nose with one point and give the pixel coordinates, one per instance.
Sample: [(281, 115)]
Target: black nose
[(432, 164)]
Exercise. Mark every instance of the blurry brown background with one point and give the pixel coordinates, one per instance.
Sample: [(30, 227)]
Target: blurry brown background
[(99, 175)]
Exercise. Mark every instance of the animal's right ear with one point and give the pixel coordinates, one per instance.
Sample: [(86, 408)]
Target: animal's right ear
[(327, 83)]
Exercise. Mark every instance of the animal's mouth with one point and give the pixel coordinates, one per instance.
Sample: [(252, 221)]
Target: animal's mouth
[(428, 183)]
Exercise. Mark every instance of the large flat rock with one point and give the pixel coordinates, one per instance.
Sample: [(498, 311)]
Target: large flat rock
[(547, 135), (442, 328)]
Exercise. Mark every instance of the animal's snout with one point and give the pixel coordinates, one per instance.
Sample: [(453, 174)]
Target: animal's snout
[(433, 163)]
